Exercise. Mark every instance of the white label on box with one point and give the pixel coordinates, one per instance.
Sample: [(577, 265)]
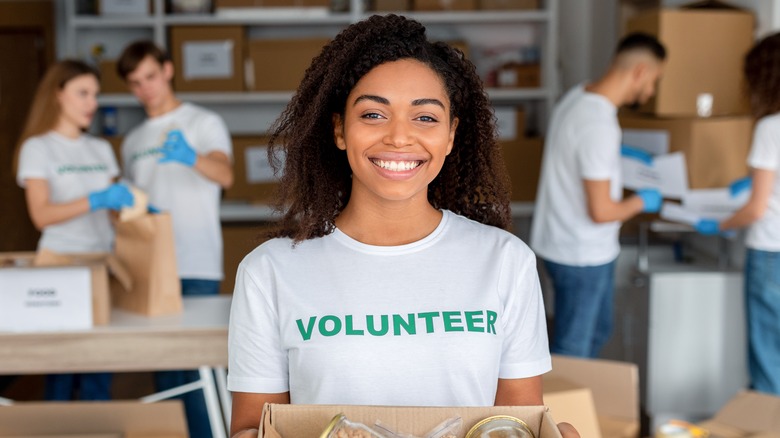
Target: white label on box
[(258, 168), (45, 299), (124, 7), (652, 141), (208, 59), (506, 123)]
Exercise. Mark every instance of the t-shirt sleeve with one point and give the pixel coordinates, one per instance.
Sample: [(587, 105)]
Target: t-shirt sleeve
[(33, 162), (256, 361), (526, 352), (213, 136), (765, 150), (596, 153)]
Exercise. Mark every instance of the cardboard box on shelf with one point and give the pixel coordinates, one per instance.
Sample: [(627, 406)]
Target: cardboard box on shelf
[(705, 52), (293, 421), (715, 148), (93, 419), (389, 5), (110, 82), (238, 240), (444, 5), (208, 58), (522, 155), (254, 180), (49, 291), (517, 75), (291, 58), (231, 4), (615, 389), (749, 414), (508, 4)]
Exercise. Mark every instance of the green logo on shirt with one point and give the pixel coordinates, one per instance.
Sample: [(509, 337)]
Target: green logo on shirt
[(151, 152), (482, 321), (81, 168)]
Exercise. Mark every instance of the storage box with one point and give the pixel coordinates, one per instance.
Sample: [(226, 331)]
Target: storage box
[(716, 148), (238, 240), (748, 414), (58, 292), (81, 419), (615, 389), (705, 54), (444, 5), (296, 421), (389, 5), (208, 58), (508, 4), (291, 58), (124, 7), (519, 76), (110, 81), (232, 4), (253, 180)]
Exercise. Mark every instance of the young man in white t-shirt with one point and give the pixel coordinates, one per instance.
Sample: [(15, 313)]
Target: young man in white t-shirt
[(181, 156), (579, 205)]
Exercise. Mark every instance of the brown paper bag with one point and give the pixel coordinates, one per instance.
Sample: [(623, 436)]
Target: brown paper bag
[(145, 247)]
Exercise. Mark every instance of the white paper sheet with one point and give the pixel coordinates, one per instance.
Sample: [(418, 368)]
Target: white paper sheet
[(677, 213), (716, 201), (653, 141), (208, 59), (668, 174), (258, 168)]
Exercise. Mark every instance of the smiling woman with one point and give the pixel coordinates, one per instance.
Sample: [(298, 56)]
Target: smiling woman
[(392, 259)]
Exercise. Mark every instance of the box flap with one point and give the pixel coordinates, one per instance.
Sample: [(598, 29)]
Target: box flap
[(572, 403), (718, 430), (752, 412), (618, 428)]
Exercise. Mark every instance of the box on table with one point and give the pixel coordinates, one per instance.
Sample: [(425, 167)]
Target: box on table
[(110, 81), (615, 389), (208, 58), (295, 421), (715, 148), (749, 414), (444, 5), (73, 419), (572, 403), (254, 179), (48, 291), (291, 58), (508, 4), (705, 54), (124, 7)]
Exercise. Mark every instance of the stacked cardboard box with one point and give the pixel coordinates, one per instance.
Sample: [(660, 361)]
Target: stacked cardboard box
[(522, 155)]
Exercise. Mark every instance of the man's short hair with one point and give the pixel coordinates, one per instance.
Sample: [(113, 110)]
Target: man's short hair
[(135, 53), (639, 41)]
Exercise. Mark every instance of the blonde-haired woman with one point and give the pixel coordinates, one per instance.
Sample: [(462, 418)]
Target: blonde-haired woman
[(68, 178)]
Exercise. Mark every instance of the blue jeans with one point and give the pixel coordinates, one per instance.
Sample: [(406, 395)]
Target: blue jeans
[(194, 403), (583, 307), (762, 303), (92, 386)]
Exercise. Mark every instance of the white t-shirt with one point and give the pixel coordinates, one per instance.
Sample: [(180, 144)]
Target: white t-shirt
[(433, 323), (583, 143), (765, 154), (190, 198), (73, 168)]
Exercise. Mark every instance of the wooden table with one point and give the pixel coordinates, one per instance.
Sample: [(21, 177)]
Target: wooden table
[(194, 339)]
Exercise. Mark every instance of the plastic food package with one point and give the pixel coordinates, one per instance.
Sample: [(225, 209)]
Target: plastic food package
[(341, 427)]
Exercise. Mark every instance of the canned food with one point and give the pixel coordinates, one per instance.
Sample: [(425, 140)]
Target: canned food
[(500, 426), (340, 427)]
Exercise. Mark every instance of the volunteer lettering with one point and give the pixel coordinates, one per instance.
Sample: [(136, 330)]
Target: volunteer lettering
[(482, 321)]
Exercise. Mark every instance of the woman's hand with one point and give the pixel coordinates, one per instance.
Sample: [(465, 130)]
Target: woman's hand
[(568, 431), (251, 433)]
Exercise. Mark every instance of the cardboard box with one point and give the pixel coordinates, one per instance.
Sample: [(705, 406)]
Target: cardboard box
[(705, 53), (572, 403), (58, 292), (508, 4), (124, 7), (231, 4), (294, 421), (82, 419), (116, 146), (615, 389), (238, 240), (253, 180), (715, 148), (519, 76), (444, 5), (748, 414), (523, 159), (291, 58), (110, 81), (208, 58), (389, 5)]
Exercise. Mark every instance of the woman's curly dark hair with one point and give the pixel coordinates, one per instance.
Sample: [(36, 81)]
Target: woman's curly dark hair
[(316, 178), (762, 76)]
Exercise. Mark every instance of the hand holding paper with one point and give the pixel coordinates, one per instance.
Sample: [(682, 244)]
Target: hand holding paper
[(707, 227), (651, 200), (176, 149), (636, 154)]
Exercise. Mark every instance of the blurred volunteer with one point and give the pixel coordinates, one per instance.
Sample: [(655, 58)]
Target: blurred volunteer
[(761, 214), (579, 207), (181, 156), (68, 178)]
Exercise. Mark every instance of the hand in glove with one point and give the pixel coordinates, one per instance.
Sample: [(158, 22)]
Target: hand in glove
[(176, 149), (707, 227), (114, 197), (651, 200)]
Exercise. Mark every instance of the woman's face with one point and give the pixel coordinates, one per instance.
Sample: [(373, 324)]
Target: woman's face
[(78, 100), (396, 132)]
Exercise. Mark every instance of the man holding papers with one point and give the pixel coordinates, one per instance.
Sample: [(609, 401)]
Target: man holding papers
[(579, 207)]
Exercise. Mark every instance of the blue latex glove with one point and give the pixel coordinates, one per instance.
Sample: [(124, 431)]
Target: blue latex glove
[(114, 197), (151, 209), (636, 154), (176, 149), (651, 200), (707, 227), (740, 185)]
